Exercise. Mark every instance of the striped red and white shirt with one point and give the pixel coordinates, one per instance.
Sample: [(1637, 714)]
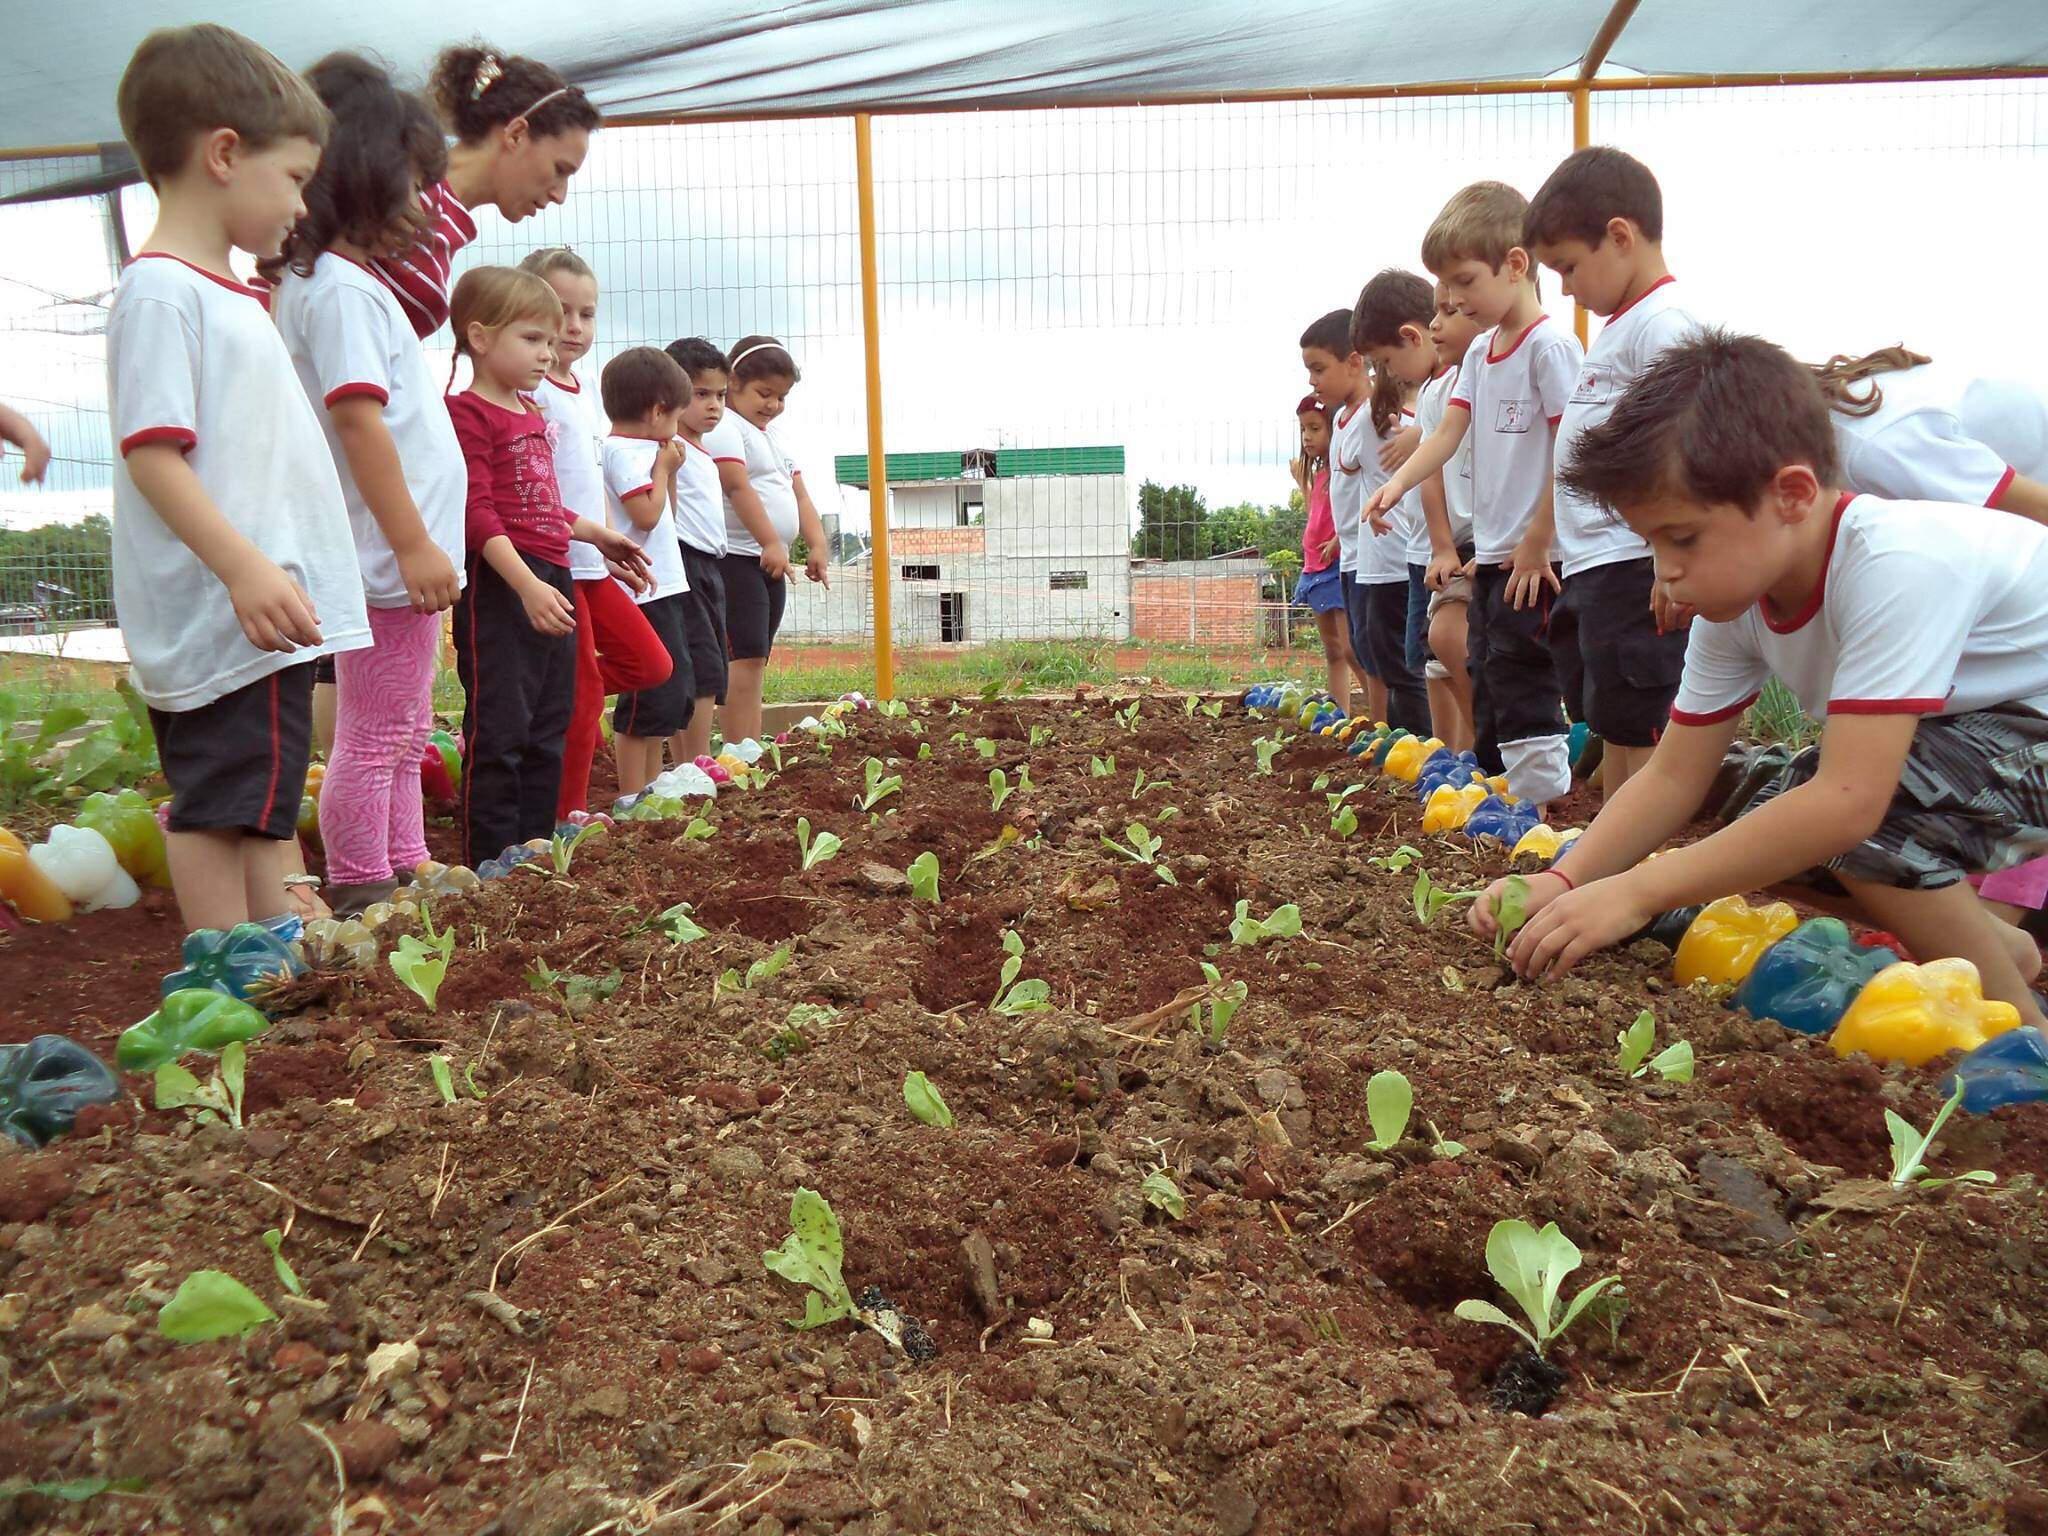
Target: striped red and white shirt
[(419, 279)]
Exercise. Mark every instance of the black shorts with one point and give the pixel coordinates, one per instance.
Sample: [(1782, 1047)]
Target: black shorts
[(704, 623), (665, 708), (1627, 672), (239, 763), (323, 671), (753, 607)]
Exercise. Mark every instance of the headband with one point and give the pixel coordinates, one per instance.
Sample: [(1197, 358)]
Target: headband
[(1310, 403), (560, 90), (759, 346)]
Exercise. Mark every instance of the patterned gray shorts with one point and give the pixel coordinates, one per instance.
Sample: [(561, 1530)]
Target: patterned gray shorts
[(1972, 798)]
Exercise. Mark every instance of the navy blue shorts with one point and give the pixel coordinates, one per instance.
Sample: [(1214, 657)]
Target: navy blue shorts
[(1418, 618), (1360, 623)]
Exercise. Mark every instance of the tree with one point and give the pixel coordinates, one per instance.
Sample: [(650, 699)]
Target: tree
[(1170, 521)]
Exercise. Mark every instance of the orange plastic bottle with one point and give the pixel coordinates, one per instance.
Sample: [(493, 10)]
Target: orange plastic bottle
[(32, 893)]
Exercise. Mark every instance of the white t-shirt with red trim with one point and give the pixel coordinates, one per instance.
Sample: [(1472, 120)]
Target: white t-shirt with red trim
[(770, 469), (1383, 557), (1354, 475), (1936, 436), (1588, 536), (1925, 608), (1515, 399), (578, 428), (348, 338), (699, 501), (1430, 406), (193, 359), (629, 470)]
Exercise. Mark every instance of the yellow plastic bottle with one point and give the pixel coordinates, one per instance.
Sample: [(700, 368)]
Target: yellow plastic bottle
[(1543, 842), (1450, 807), (1728, 938), (1913, 1013), (1406, 757)]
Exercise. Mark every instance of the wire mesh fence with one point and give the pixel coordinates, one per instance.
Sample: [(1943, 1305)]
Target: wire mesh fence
[(1083, 312)]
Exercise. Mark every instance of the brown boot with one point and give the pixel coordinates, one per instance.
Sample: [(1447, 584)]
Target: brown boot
[(350, 900)]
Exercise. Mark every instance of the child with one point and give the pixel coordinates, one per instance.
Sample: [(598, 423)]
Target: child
[(1390, 326), (1319, 588), (616, 651), (1598, 222), (1449, 522), (1338, 378), (644, 393), (401, 470), (1383, 562), (233, 564), (515, 647), (700, 525), (521, 131), (1512, 389), (1917, 630), (766, 506)]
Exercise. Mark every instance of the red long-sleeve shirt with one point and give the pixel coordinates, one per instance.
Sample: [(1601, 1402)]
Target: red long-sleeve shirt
[(512, 489)]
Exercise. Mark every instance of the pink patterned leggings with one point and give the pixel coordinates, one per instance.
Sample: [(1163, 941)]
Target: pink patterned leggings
[(371, 818)]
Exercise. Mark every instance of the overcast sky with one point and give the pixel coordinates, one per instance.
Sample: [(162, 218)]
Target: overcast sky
[(1139, 277)]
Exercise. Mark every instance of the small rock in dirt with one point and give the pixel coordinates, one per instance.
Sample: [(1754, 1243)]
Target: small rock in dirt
[(366, 1446), (265, 1141), (300, 1359), (1749, 1213), (1521, 1151), (1278, 1089), (978, 1266), (705, 1359), (733, 1098), (608, 1402), (1059, 1151), (733, 1166), (91, 1323), (883, 880), (1591, 1146), (710, 1270), (1233, 1507), (14, 1307), (34, 1185)]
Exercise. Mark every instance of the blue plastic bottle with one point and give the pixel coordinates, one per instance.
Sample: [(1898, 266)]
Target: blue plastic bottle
[(45, 1083), (246, 959), (1808, 979), (2009, 1069), (1495, 818)]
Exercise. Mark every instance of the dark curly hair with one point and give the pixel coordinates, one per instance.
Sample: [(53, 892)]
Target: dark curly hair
[(478, 88), (385, 143)]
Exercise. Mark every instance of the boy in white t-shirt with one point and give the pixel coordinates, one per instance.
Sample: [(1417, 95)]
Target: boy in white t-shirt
[(644, 394), (1918, 631), (1512, 389), (234, 566), (1338, 377), (1598, 222), (700, 525)]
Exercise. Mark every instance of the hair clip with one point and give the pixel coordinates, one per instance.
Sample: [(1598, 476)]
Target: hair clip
[(488, 72)]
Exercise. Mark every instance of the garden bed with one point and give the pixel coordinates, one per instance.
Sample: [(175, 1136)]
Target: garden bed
[(1283, 1358)]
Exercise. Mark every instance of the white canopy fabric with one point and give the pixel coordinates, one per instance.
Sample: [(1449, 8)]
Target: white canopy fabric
[(729, 58)]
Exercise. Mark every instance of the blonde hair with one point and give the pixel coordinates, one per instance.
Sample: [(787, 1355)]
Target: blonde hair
[(182, 83), (1837, 376), (495, 297), (1482, 222), (550, 259)]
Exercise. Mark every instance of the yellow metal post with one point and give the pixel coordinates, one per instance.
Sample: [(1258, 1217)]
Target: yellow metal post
[(1582, 135), (878, 468)]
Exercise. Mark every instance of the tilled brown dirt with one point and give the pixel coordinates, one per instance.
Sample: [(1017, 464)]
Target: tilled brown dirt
[(1282, 1359)]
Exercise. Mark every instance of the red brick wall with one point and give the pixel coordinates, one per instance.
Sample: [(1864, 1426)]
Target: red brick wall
[(1226, 609)]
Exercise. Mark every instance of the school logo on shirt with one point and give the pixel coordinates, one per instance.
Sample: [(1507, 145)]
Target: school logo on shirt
[(1594, 386), (1513, 415)]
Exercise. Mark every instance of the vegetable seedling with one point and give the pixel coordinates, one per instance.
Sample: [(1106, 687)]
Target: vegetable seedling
[(1162, 1194), (1214, 709), (1674, 1063), (698, 829), (1531, 1266), (999, 788), (1510, 912), (443, 1075), (1343, 822), (878, 787), (1012, 996), (679, 925), (814, 851), (1909, 1150), (985, 747), (1389, 1100), (1438, 1147), (923, 875), (893, 709), (924, 751), (1143, 848), (211, 1304), (420, 962), (1284, 923), (1188, 706), (1267, 749), (1040, 734), (286, 1275), (1222, 1007), (927, 1105), (811, 1257), (1398, 860), (218, 1099), (1431, 898), (1128, 717), (563, 845), (1101, 767)]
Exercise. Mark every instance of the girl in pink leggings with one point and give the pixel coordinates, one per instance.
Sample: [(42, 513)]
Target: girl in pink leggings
[(401, 468)]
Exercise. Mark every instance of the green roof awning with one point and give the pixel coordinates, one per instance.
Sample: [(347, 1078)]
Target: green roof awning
[(1011, 463)]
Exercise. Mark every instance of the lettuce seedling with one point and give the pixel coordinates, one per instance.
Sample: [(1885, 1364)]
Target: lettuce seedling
[(218, 1099), (1909, 1150), (1128, 717), (1162, 1194), (1398, 860), (1510, 912), (878, 788), (563, 845), (1674, 1063), (927, 1105), (1012, 996), (985, 747), (699, 829), (443, 1076), (1431, 898), (678, 924), (811, 1256), (1268, 748), (1101, 767), (286, 1275), (923, 875), (1531, 1266), (1188, 706), (1040, 734), (1285, 923), (924, 751), (814, 853), (1222, 1008), (1438, 1147), (1143, 846), (420, 962), (999, 788), (892, 709), (1389, 1100), (1343, 821), (211, 1304)]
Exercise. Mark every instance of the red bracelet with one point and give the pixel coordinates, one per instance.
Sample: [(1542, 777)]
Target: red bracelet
[(1569, 883)]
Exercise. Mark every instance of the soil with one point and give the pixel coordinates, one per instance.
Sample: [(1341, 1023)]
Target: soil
[(544, 1311)]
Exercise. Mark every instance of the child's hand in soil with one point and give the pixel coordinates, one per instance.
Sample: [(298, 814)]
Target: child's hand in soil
[(546, 609), (1483, 916), (1573, 924)]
